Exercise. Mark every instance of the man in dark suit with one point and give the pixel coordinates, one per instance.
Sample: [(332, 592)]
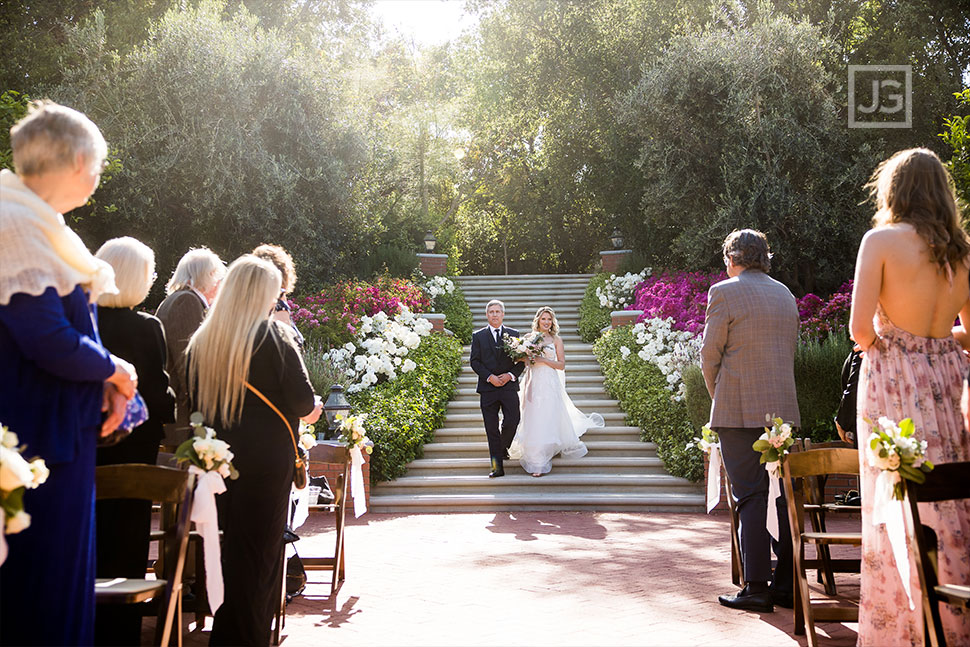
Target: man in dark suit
[(748, 359), (498, 384)]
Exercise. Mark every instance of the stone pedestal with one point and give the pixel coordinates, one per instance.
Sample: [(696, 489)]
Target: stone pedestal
[(433, 264), (437, 321), (624, 317), (612, 259)]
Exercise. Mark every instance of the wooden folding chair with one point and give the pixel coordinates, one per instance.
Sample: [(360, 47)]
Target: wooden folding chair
[(737, 561), (801, 466), (323, 452), (174, 489), (947, 482), (817, 509)]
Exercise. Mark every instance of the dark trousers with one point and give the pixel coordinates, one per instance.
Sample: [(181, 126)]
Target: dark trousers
[(749, 487), (506, 400)]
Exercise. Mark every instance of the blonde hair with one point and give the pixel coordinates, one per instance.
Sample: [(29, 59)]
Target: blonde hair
[(200, 269), (914, 187), (134, 265), (283, 262), (220, 350), (51, 136), (554, 329)]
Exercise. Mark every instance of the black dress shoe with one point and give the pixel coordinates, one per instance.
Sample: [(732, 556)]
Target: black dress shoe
[(497, 469), (761, 602), (783, 599)]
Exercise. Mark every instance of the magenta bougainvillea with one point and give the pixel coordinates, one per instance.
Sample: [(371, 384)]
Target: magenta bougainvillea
[(682, 296), (331, 317)]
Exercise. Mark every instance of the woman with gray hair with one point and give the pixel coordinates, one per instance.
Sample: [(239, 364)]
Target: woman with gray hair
[(57, 377), (191, 291)]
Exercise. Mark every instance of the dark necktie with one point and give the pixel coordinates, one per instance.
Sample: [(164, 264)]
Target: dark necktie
[(496, 331)]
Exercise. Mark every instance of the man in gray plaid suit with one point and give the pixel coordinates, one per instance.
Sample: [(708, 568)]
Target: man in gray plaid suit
[(748, 358)]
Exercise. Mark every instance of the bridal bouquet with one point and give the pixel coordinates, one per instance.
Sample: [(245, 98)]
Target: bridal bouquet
[(894, 448), (774, 443), (17, 475), (528, 346), (205, 451)]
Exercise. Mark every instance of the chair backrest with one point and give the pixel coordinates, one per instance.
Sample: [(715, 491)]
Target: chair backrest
[(946, 482), (818, 462), (174, 489)]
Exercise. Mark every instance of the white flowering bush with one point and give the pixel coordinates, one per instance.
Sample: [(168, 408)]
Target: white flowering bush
[(437, 286), (617, 292), (17, 475), (379, 349), (670, 350)]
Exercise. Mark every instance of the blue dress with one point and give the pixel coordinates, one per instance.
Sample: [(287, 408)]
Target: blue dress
[(52, 370)]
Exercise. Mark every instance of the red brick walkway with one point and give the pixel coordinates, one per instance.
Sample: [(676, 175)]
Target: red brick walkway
[(531, 578)]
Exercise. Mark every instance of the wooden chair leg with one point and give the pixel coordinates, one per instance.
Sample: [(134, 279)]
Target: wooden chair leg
[(199, 588), (280, 618)]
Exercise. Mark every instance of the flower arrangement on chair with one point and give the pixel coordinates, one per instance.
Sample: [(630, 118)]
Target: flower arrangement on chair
[(17, 475), (894, 449)]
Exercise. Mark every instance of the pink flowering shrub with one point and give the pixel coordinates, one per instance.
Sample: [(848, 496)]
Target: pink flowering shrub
[(680, 295), (683, 296), (822, 318), (331, 317)]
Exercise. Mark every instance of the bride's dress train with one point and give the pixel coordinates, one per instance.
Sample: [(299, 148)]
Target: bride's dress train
[(550, 422)]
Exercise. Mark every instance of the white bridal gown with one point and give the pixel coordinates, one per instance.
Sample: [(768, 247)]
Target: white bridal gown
[(550, 423)]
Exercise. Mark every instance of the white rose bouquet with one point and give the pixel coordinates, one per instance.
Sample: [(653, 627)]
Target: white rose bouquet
[(894, 448), (528, 346), (707, 441), (205, 451), (710, 444), (17, 475), (308, 436), (353, 434)]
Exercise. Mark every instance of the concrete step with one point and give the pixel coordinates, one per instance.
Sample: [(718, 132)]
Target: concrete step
[(587, 406), (487, 502), (516, 480), (571, 348), (475, 433), (480, 448), (572, 368), (647, 464), (611, 418), (572, 379), (573, 392)]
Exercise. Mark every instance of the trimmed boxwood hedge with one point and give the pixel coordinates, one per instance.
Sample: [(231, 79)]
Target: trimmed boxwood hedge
[(458, 316), (592, 316), (402, 415)]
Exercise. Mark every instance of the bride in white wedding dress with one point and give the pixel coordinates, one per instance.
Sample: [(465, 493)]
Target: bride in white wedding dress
[(550, 423)]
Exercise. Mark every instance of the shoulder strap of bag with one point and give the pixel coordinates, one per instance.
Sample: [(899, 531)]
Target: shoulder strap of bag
[(273, 407)]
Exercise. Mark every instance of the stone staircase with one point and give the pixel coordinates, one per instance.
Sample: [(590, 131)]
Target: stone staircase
[(620, 473)]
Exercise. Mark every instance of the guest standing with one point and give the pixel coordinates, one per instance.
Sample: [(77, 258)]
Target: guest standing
[(123, 527), (191, 290), (910, 283), (284, 263), (239, 342), (748, 359), (57, 376)]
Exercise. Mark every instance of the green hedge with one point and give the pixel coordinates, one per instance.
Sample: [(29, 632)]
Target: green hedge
[(458, 316), (403, 414), (818, 384), (592, 316), (641, 389)]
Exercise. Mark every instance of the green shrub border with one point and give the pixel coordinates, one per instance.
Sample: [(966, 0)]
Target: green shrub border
[(458, 316), (592, 316), (641, 389), (402, 415)]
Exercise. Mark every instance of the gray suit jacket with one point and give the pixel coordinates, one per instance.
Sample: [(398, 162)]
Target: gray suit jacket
[(748, 356)]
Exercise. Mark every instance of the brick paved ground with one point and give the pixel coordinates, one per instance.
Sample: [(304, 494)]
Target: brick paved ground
[(531, 578)]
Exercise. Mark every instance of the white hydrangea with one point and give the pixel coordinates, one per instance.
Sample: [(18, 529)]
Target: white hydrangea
[(437, 285), (669, 350), (380, 348), (617, 293)]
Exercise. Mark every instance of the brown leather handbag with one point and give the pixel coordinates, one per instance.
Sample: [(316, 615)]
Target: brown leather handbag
[(299, 462)]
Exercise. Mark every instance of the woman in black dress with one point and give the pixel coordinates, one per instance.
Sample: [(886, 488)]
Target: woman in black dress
[(123, 527), (239, 342)]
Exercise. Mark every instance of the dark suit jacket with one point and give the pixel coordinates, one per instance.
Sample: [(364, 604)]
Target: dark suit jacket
[(138, 337), (181, 313), (489, 359)]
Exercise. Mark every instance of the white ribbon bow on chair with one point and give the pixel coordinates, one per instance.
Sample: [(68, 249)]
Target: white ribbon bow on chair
[(357, 481), (887, 509), (206, 519), (774, 492), (714, 478)]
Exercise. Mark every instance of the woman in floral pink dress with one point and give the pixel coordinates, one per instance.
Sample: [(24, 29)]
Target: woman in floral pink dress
[(911, 281)]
